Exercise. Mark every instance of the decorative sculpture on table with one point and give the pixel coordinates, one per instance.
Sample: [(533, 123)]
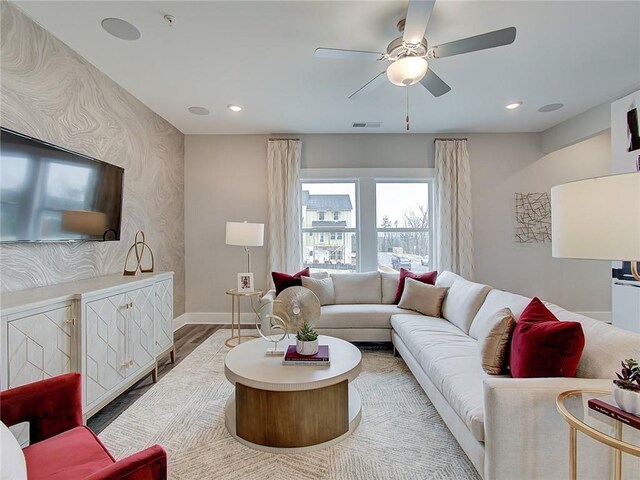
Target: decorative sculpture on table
[(533, 218), (293, 308), (139, 247)]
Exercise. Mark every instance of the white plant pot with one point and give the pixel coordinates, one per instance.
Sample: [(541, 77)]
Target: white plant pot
[(627, 400), (306, 348)]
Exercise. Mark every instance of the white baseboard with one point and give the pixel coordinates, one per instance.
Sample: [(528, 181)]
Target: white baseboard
[(179, 322), (602, 316), (207, 318)]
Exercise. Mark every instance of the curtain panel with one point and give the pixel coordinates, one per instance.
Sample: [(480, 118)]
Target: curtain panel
[(284, 228), (455, 230)]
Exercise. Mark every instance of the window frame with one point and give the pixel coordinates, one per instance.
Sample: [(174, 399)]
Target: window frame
[(365, 230), (431, 208), (344, 230)]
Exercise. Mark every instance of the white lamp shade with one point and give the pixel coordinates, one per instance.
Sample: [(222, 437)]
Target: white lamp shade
[(245, 234), (407, 71), (597, 218), (84, 222)]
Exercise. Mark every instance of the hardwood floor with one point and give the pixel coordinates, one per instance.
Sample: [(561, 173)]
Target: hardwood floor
[(186, 340)]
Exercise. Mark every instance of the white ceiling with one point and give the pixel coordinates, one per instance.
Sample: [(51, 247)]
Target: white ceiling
[(260, 55)]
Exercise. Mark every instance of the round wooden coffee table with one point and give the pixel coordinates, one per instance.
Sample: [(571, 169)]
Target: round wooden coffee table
[(280, 409)]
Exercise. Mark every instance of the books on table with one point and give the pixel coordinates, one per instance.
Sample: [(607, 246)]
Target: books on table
[(291, 357), (607, 406)]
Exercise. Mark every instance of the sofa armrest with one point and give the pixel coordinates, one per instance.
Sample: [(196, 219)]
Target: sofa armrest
[(51, 406), (270, 296), (527, 438), (149, 464)]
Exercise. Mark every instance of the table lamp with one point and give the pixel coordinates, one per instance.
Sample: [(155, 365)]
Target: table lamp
[(598, 219), (245, 235)]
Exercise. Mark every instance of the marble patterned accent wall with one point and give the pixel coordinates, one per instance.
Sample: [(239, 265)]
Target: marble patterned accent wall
[(50, 92)]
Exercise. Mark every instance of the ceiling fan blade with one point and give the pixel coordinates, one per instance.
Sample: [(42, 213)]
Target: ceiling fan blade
[(347, 54), (369, 86), (434, 84), (415, 24), (493, 39)]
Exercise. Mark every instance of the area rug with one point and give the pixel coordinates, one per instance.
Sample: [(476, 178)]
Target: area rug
[(401, 436)]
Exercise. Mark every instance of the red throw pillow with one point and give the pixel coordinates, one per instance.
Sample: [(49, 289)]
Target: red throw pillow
[(284, 280), (429, 277), (543, 346)]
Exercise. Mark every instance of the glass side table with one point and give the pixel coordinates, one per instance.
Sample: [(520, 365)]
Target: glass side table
[(236, 296), (573, 406)]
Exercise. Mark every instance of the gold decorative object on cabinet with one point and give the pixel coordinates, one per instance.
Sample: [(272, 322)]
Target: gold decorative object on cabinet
[(139, 247)]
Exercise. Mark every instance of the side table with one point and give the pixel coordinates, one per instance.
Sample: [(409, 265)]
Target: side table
[(235, 295), (573, 406)]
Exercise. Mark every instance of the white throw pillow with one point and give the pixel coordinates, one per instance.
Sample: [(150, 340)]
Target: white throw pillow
[(323, 288), (352, 288), (12, 463)]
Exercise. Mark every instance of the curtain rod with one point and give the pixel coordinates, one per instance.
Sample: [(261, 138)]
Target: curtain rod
[(460, 138), (284, 139)]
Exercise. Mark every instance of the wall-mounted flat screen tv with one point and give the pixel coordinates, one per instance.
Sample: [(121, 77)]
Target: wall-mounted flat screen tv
[(50, 194)]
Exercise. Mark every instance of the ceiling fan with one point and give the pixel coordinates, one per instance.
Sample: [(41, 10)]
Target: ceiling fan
[(407, 55)]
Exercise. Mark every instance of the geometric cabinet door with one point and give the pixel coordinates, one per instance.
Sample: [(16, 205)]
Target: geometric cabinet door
[(164, 315), (105, 323), (40, 346), (140, 329)]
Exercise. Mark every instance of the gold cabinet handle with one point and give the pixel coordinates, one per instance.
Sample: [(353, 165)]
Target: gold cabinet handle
[(71, 321)]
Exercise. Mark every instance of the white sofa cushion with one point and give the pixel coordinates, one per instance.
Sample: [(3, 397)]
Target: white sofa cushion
[(323, 289), (389, 286), (496, 300), (12, 462), (451, 360), (604, 345), (446, 279), (463, 301), (363, 287), (358, 316)]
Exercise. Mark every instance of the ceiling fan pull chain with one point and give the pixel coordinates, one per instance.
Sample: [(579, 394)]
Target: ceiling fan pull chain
[(407, 108)]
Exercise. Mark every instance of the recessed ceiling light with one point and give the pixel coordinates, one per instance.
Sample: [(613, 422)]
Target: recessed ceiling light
[(120, 29), (199, 110), (552, 107), (513, 105), (234, 108)]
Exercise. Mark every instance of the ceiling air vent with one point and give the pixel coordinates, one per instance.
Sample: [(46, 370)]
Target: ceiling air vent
[(366, 124)]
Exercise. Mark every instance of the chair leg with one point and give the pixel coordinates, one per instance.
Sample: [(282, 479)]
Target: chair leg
[(173, 355), (154, 374)]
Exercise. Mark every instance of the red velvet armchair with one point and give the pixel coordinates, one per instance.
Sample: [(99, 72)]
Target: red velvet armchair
[(61, 447)]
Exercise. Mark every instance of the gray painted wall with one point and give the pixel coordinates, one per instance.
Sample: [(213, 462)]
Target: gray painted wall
[(226, 177), (49, 92)]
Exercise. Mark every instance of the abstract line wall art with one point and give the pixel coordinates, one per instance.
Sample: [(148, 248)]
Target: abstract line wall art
[(533, 218)]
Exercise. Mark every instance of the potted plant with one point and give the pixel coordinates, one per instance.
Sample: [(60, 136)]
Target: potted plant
[(307, 340), (626, 389)]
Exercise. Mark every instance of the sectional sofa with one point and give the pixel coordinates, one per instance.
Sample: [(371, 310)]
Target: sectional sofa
[(509, 428)]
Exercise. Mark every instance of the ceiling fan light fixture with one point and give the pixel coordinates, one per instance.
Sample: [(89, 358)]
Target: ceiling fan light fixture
[(407, 71)]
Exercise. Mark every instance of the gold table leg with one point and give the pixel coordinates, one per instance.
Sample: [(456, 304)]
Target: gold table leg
[(573, 454), (228, 341), (617, 472), (239, 331)]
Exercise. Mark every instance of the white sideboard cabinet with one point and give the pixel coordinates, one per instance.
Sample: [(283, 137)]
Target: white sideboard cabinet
[(111, 329)]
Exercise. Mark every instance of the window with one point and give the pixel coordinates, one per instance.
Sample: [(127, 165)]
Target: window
[(329, 249), (403, 226), (372, 219)]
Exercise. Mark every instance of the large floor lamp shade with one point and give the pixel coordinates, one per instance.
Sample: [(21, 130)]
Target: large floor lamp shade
[(245, 235), (598, 218)]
